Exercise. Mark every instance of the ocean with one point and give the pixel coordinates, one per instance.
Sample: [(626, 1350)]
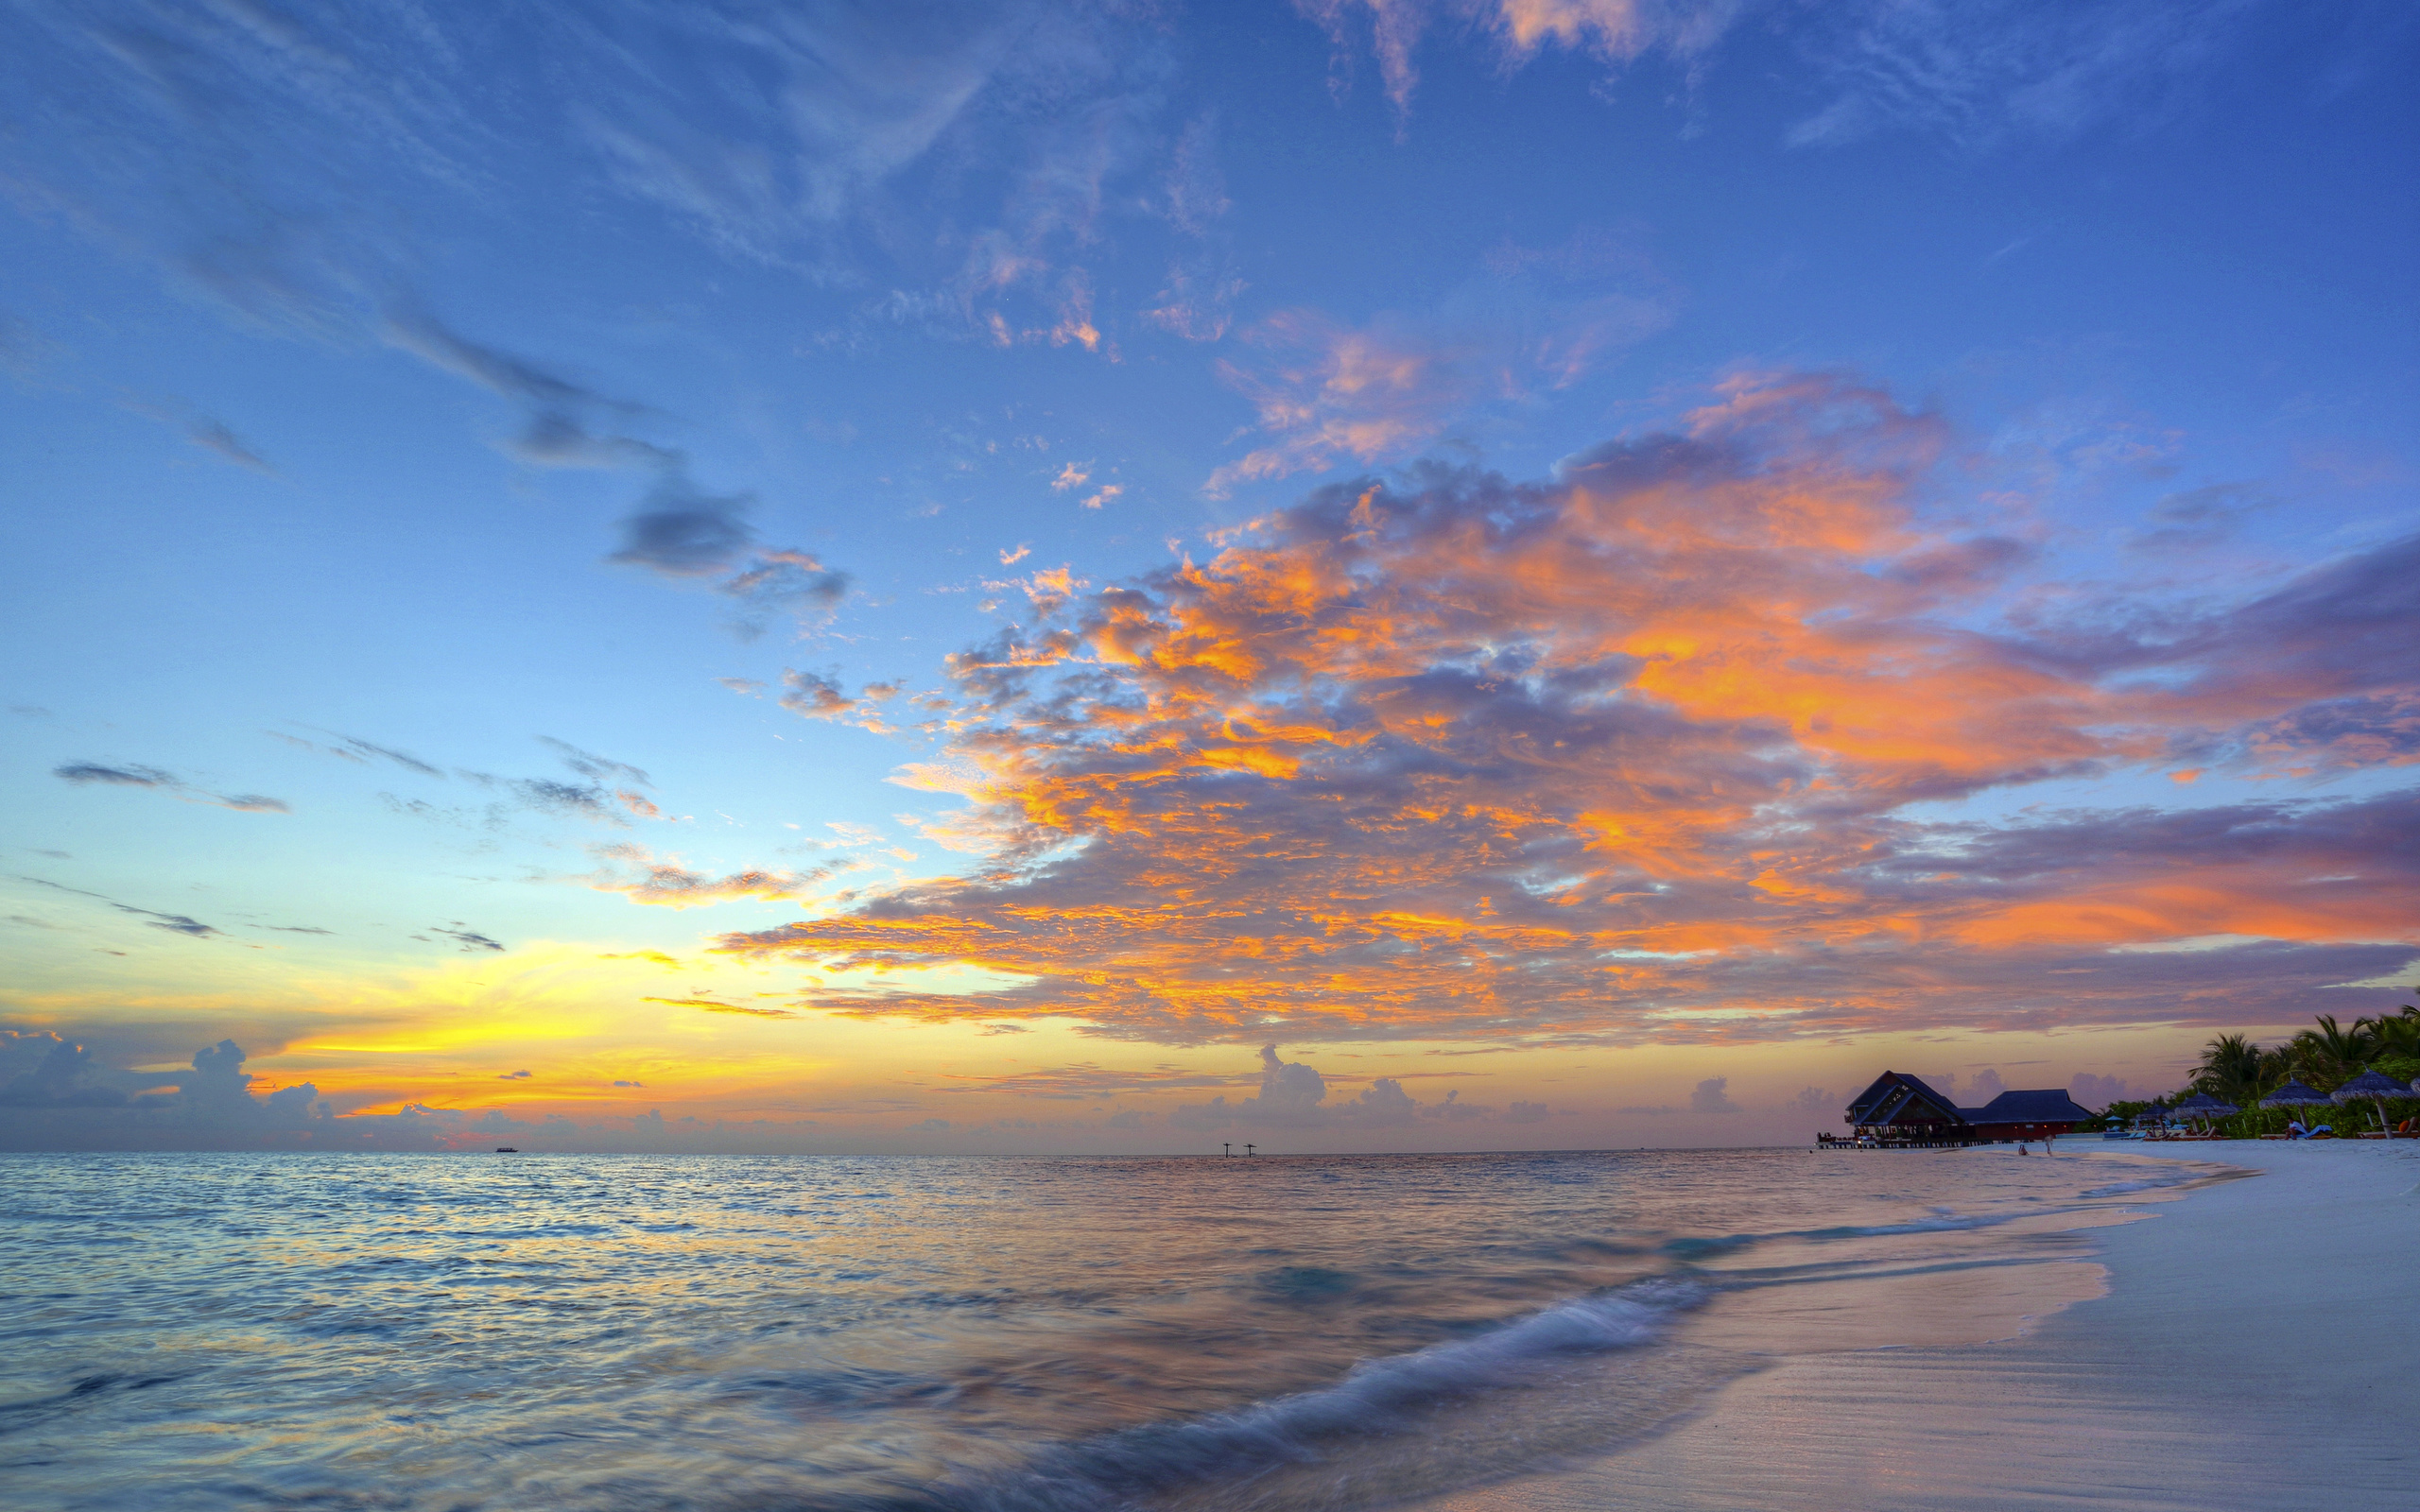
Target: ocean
[(448, 1333)]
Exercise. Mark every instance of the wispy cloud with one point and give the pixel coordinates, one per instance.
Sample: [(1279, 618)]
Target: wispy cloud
[(791, 138), (680, 529), (711, 1005), (620, 777), (1198, 301), (605, 791), (1974, 73), (410, 763), (1979, 73), (576, 800), (1531, 322), (1329, 395), (567, 424), (647, 878), (101, 774), (1085, 1081), (25, 351), (1615, 31), (127, 775), (389, 115), (787, 138), (205, 431), (173, 924), (214, 436), (128, 115)]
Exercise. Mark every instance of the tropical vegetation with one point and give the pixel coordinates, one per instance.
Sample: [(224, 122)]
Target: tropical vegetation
[(2322, 1058)]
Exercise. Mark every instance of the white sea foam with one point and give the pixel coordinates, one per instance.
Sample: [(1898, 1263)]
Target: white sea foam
[(1376, 1398), (1944, 1220), (1626, 1318), (2156, 1184)]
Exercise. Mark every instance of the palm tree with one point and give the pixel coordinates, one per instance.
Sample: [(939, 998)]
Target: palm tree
[(2231, 1067), (2330, 1055), (2397, 1036)]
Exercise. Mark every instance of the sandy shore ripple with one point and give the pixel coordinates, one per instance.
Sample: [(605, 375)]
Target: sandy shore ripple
[(2250, 1347)]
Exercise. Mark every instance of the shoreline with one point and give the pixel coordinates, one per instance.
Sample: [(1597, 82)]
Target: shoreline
[(2240, 1342)]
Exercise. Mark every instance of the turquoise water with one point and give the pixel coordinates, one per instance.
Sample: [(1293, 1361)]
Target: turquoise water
[(451, 1332)]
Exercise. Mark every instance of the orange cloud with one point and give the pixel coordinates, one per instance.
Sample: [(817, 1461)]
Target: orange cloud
[(816, 696), (1612, 30), (1529, 322), (711, 1006), (1628, 752)]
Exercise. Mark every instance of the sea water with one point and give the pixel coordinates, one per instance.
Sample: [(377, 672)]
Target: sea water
[(925, 1335)]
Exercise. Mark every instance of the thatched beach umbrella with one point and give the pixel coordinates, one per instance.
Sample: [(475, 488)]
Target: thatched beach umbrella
[(2204, 1106), (2294, 1095), (2374, 1087)]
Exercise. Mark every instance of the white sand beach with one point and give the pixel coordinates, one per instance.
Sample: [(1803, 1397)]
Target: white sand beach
[(2245, 1345)]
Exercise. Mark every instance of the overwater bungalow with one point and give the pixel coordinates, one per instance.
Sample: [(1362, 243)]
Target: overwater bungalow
[(1904, 1112)]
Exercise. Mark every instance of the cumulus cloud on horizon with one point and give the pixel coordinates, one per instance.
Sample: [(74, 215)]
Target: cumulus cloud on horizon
[(1293, 1095), (56, 1093)]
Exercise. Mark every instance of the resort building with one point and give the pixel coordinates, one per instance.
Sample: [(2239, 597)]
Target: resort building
[(1900, 1110), (1905, 1112), (2028, 1116)]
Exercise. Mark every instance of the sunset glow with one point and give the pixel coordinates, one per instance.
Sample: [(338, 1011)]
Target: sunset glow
[(1550, 574)]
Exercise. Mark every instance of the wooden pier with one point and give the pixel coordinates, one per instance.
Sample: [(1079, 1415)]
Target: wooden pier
[(1834, 1142)]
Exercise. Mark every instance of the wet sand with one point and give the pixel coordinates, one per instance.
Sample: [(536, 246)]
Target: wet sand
[(2245, 1345)]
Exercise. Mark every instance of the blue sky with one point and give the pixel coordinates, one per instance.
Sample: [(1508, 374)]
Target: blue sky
[(524, 395)]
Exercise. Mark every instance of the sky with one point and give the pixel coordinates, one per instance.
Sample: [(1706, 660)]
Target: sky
[(1352, 574)]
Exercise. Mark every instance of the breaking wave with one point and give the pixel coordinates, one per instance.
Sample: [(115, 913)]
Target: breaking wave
[(1377, 1399)]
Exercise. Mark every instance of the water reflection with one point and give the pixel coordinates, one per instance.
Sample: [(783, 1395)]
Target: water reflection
[(714, 1332)]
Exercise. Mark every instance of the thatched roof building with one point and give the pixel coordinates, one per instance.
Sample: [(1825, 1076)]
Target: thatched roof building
[(1901, 1108), (2030, 1115)]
